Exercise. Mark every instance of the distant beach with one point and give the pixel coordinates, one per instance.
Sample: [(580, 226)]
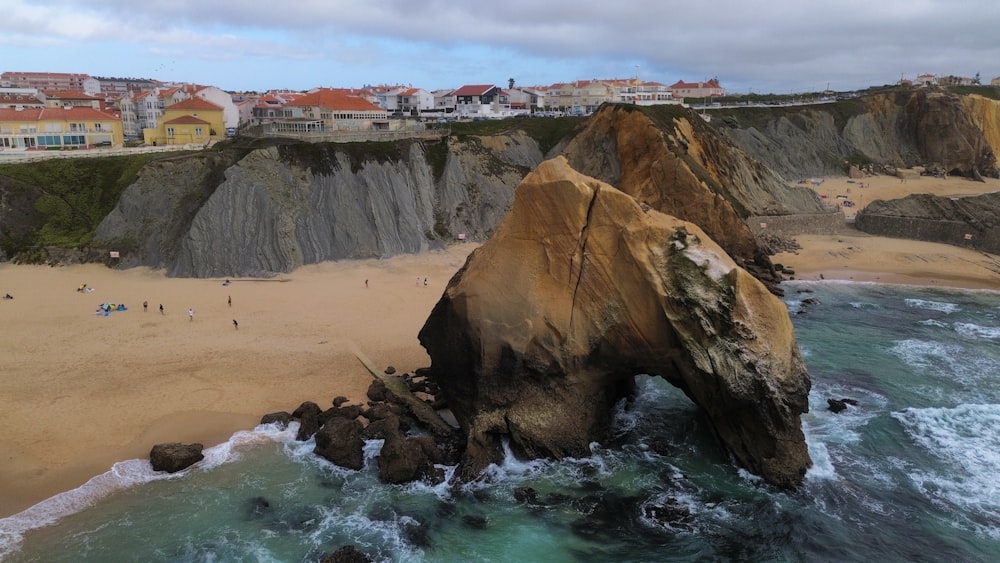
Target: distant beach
[(80, 390)]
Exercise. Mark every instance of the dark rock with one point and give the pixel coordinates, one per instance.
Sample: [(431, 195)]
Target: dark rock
[(840, 405), (526, 495), (390, 370), (280, 418), (174, 457), (259, 507), (346, 554), (377, 391), (351, 411), (310, 419), (379, 429), (668, 513), (402, 460), (339, 400), (339, 441), (475, 521)]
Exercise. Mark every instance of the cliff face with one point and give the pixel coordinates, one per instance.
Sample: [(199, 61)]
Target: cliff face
[(273, 209), (670, 160), (902, 129), (580, 288)]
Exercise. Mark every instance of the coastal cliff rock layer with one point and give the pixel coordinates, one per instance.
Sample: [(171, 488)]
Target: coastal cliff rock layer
[(937, 219), (581, 288), (274, 208), (902, 129), (669, 159)]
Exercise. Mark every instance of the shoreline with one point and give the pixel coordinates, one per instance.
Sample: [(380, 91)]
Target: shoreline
[(82, 391)]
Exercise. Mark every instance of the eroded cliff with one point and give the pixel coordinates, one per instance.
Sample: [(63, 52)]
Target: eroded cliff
[(905, 128), (582, 287), (274, 208)]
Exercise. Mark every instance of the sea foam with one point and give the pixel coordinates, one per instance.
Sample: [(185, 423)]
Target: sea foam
[(967, 439), (122, 475), (940, 306)]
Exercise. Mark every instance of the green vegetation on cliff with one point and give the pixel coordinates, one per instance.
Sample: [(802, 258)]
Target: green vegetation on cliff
[(546, 131), (70, 197)]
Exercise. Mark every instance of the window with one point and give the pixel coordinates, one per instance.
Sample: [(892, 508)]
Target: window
[(198, 131), (170, 131)]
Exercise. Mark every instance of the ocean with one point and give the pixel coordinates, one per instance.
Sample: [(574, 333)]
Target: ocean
[(909, 473)]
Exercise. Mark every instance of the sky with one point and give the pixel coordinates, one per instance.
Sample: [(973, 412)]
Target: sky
[(767, 46)]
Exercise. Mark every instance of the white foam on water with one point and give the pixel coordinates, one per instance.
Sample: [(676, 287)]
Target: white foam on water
[(967, 439), (951, 362), (939, 306), (122, 475), (970, 330), (933, 322)]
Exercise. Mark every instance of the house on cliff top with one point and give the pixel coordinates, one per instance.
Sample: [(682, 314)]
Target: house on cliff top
[(60, 128), (190, 121)]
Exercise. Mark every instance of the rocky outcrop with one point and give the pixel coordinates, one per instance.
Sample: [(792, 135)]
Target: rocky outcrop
[(174, 457), (581, 288), (900, 129), (971, 222), (271, 209), (669, 159)]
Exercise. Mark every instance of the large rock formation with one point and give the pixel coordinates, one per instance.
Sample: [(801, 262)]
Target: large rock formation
[(669, 159), (580, 289)]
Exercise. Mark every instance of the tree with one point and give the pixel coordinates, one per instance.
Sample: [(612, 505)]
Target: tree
[(510, 83)]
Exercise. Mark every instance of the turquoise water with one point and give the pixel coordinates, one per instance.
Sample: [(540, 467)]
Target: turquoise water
[(909, 474)]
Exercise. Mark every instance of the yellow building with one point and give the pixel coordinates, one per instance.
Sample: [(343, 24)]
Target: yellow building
[(58, 128), (192, 121)]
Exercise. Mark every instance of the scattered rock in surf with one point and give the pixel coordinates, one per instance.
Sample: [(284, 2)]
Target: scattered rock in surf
[(390, 370), (280, 418), (339, 441), (840, 405), (346, 554), (309, 417), (526, 495), (175, 456), (259, 506)]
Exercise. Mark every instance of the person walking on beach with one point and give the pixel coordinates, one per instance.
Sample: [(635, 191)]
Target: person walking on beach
[(366, 283), (236, 325), (161, 308), (425, 282), (190, 314), (145, 306), (229, 300)]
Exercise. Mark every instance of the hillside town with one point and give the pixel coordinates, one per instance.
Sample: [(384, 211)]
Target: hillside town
[(52, 111)]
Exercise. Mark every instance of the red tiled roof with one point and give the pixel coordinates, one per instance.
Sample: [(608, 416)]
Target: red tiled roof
[(473, 90), (195, 103), (186, 120), (334, 100), (713, 83)]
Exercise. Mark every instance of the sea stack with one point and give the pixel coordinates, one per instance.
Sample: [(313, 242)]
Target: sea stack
[(580, 289)]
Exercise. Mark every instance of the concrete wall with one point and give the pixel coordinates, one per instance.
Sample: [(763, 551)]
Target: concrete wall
[(986, 239), (803, 224)]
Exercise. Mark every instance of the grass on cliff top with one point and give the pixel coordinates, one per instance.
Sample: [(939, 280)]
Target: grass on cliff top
[(75, 195), (546, 131), (991, 92)]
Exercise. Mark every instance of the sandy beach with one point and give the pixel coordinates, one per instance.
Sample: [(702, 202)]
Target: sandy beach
[(79, 391), (854, 255)]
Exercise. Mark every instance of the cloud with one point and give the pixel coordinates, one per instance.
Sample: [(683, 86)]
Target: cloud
[(781, 44)]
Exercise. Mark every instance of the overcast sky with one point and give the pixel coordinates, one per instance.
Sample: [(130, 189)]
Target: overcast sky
[(775, 46)]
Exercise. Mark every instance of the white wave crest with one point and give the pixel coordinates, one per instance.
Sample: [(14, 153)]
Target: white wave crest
[(931, 305), (970, 330), (967, 439), (122, 475)]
